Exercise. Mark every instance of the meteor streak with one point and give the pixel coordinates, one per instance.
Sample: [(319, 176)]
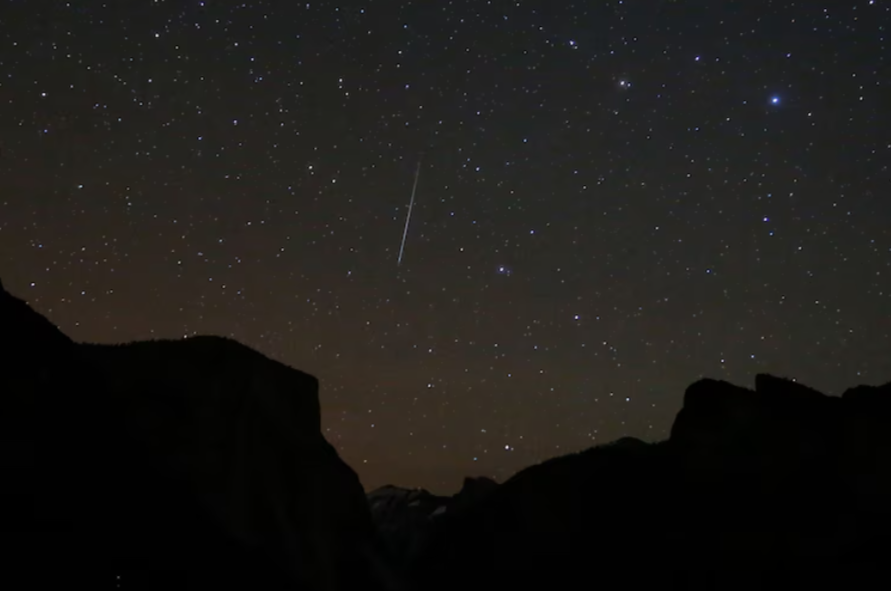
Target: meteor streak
[(411, 204)]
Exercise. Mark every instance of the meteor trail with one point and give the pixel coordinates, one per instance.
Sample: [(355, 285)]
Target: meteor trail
[(411, 204)]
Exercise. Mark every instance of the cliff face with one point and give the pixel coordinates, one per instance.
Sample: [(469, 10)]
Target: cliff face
[(201, 458), (40, 381), (788, 432), (776, 485)]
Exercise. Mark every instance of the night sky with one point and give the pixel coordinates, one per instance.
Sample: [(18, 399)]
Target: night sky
[(615, 199)]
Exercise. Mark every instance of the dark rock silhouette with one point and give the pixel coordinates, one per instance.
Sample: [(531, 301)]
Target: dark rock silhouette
[(779, 486), (473, 491), (182, 464), (199, 464)]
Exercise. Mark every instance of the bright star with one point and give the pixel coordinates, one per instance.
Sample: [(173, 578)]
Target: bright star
[(775, 100)]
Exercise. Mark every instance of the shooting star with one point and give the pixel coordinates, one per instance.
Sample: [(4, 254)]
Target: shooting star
[(411, 204)]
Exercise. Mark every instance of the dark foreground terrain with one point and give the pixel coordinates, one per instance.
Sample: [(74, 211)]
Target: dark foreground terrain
[(192, 464), (200, 464), (780, 487)]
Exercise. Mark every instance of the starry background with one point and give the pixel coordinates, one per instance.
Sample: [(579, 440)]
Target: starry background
[(615, 199)]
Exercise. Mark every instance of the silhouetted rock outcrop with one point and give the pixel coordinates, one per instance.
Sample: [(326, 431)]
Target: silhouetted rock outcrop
[(473, 491), (184, 464), (776, 486)]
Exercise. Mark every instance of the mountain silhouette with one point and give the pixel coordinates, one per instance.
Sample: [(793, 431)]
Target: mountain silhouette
[(186, 464), (200, 463), (405, 517), (780, 486)]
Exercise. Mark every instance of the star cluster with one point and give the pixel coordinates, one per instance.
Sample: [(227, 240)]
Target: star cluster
[(615, 198)]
